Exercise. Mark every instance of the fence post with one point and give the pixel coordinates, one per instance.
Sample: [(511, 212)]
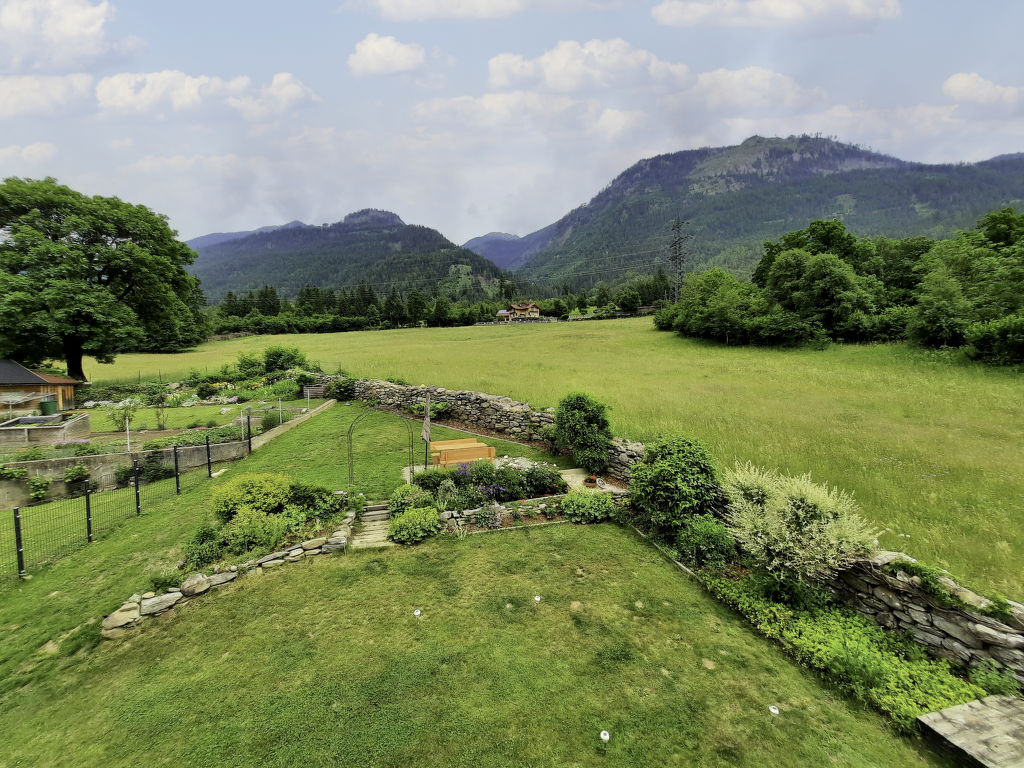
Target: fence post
[(177, 474), (209, 462), (138, 498), (88, 510), (17, 542), (248, 427)]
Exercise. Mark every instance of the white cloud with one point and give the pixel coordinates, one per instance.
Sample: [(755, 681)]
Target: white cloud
[(751, 88), (384, 55), (615, 122), (142, 92), (30, 154), (974, 89), (48, 35), (571, 66), (419, 10), (285, 92), (41, 94), (774, 13)]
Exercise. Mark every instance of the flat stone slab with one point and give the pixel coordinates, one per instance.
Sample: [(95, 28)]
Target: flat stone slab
[(987, 733)]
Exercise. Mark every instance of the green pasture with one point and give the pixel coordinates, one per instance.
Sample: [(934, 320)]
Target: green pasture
[(932, 450)]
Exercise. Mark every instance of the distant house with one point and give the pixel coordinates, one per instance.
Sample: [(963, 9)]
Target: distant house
[(503, 314), (24, 389), (523, 311)]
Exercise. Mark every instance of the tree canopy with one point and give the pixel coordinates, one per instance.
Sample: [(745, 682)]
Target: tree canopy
[(90, 275)]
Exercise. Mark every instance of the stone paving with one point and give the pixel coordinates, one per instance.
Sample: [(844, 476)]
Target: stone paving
[(372, 531), (987, 733)]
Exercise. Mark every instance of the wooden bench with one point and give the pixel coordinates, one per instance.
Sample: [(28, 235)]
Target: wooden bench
[(443, 445), (465, 455)]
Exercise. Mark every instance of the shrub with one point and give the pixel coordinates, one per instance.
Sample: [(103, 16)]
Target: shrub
[(447, 494), (204, 547), (581, 429), (84, 449), (123, 475), (165, 579), (122, 415), (888, 671), (341, 390), (265, 493), (431, 479), (998, 341), (273, 419), (413, 525), (153, 468), (481, 472), (252, 528), (469, 497), (277, 358), (996, 679), (509, 484), (314, 500), (792, 525), (438, 410), (76, 474), (38, 487), (205, 391), (35, 453), (583, 506), (705, 541), (406, 496), (543, 479), (488, 517), (13, 473), (674, 481)]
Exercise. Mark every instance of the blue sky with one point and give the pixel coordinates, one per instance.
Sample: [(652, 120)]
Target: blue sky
[(475, 115)]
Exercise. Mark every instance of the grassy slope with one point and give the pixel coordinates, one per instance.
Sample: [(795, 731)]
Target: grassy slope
[(87, 584), (932, 451), (324, 664)]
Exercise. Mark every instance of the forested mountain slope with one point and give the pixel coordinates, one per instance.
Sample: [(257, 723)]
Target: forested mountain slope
[(370, 246), (737, 197)]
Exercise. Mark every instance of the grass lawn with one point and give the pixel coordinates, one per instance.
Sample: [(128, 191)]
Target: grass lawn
[(62, 598), (932, 451), (323, 664)]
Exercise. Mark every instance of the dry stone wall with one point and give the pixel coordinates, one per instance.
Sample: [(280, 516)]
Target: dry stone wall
[(898, 601)]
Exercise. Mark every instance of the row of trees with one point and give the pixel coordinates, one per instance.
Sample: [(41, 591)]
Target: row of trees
[(824, 283)]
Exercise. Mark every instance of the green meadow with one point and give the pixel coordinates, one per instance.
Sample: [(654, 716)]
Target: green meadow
[(932, 450)]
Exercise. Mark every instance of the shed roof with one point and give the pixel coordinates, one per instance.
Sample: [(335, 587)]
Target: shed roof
[(51, 379), (16, 373)]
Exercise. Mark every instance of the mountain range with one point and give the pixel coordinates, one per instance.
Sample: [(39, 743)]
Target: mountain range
[(368, 246), (732, 198)]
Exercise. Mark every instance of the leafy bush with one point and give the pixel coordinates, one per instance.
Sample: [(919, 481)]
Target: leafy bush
[(13, 473), (406, 496), (488, 517), (1000, 341), (122, 415), (674, 481), (413, 525), (996, 679), (315, 500), (277, 358), (792, 525), (205, 546), (123, 475), (76, 474), (705, 541), (273, 419), (265, 493), (583, 506), (164, 580), (38, 487), (205, 391), (447, 494), (35, 453), (581, 429), (508, 484), (251, 528), (341, 390), (84, 449), (352, 501), (153, 468), (438, 410), (543, 479), (225, 434), (431, 479), (887, 670)]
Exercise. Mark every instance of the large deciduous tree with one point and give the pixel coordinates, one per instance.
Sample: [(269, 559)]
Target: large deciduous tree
[(93, 276)]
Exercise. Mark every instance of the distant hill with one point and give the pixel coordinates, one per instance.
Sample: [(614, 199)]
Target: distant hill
[(216, 238), (737, 197), (370, 246)]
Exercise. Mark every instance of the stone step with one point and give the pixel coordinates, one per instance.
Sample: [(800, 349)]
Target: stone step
[(374, 525), (365, 544), (375, 507), (370, 516)]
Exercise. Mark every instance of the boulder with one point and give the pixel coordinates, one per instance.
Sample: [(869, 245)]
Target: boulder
[(222, 578), (195, 584), (272, 563), (160, 603), (314, 543), (272, 556), (122, 618)]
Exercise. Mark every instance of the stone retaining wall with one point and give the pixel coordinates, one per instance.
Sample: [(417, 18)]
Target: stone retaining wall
[(897, 601), (490, 412)]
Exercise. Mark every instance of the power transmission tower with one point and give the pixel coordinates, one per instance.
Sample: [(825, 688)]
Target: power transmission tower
[(679, 253)]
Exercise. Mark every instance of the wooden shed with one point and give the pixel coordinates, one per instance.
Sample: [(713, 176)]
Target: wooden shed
[(24, 389)]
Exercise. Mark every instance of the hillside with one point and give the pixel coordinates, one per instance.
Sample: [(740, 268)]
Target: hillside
[(372, 246), (216, 238), (737, 197)]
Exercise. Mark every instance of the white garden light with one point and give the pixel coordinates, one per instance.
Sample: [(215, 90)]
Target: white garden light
[(773, 709), (536, 598), (605, 736), (416, 613)]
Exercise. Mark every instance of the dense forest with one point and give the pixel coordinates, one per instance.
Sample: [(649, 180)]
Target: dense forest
[(735, 198), (375, 247), (824, 283)]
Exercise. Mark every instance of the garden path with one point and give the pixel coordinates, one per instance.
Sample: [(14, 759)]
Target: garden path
[(372, 531)]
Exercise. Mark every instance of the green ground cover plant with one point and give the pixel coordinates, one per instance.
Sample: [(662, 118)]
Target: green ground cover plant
[(583, 506), (414, 525), (484, 677), (929, 445)]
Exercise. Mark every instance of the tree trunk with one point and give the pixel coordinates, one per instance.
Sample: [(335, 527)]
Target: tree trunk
[(73, 357)]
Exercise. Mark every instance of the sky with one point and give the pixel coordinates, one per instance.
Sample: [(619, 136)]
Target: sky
[(472, 116)]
